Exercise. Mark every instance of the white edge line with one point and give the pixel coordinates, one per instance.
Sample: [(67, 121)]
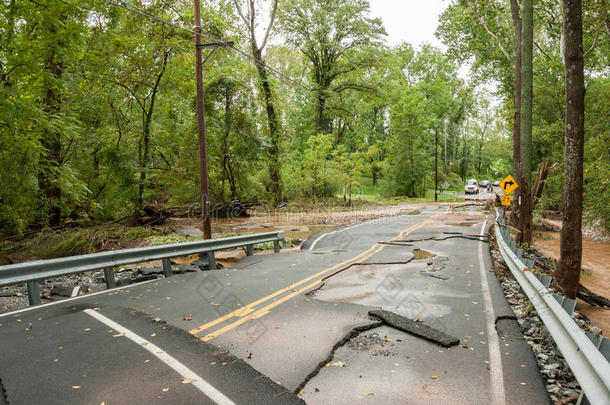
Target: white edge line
[(313, 245), (369, 221), (495, 357), (165, 358), (48, 304)]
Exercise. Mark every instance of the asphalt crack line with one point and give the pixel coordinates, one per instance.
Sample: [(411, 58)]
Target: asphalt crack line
[(263, 311), (495, 357), (240, 311), (481, 238), (352, 334), (3, 394), (365, 264), (198, 382)]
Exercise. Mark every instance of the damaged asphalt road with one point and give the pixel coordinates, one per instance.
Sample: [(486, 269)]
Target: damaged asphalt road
[(296, 326)]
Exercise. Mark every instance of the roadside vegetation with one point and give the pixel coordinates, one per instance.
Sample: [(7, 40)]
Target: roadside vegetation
[(98, 113), (97, 119)]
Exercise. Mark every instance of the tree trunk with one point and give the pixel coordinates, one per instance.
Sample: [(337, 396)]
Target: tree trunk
[(227, 173), (445, 150), (517, 82), (464, 161), (147, 120), (322, 121), (517, 28), (350, 195), (51, 139), (435, 166), (568, 273), (526, 208), (274, 130), (480, 157)]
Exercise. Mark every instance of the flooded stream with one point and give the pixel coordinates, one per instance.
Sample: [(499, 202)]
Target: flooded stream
[(595, 275)]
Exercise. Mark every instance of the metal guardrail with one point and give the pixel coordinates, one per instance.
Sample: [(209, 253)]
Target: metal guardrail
[(586, 354), (34, 271)]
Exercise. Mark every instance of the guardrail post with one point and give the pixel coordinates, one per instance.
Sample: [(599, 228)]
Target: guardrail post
[(276, 246), (212, 261), (109, 277), (249, 250), (33, 292), (167, 267)]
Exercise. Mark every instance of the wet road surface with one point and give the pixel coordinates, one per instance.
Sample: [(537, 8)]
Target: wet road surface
[(285, 327)]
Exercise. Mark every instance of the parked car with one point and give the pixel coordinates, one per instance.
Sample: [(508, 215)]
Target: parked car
[(472, 187), (497, 183), (485, 185)]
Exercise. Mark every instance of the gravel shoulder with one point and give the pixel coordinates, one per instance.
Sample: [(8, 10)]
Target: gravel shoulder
[(562, 386)]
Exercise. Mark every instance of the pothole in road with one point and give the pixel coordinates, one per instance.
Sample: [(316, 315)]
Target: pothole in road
[(372, 343), (420, 254)]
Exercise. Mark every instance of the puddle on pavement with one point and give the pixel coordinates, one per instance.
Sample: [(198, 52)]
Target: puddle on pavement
[(462, 224), (422, 254), (339, 250)]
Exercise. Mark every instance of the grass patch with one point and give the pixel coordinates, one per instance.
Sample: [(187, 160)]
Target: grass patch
[(80, 241), (286, 243), (169, 238)]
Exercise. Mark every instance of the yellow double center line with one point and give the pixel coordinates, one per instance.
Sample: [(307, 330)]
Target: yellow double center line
[(249, 311)]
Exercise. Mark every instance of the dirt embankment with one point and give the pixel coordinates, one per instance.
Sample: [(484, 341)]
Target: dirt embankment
[(595, 274)]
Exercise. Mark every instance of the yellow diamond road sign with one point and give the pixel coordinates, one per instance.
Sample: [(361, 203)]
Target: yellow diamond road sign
[(509, 184), (506, 199)]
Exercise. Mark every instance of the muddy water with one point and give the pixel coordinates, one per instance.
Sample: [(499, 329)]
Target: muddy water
[(595, 275), (422, 254)]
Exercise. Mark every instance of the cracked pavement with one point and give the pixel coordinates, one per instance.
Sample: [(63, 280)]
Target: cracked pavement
[(296, 325)]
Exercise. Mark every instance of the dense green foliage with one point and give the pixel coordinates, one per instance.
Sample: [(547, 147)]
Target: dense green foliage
[(97, 107), (488, 44)]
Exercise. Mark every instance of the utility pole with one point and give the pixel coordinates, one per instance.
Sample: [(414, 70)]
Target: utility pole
[(203, 152), (435, 163)]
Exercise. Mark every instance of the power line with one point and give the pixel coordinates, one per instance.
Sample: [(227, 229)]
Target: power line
[(283, 77)]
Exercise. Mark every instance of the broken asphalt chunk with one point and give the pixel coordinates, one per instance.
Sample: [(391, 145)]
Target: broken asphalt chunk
[(406, 325)]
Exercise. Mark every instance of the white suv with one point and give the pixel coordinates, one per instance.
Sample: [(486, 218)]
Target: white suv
[(472, 187)]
